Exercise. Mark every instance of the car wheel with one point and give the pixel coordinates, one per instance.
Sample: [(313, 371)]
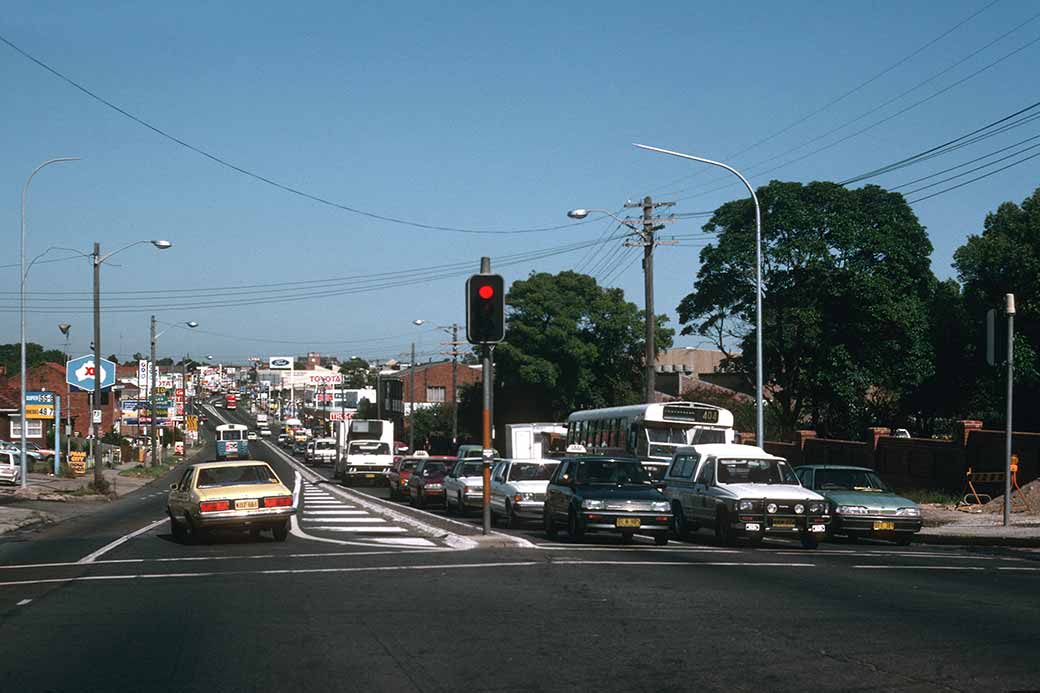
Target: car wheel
[(512, 521), (193, 534), (281, 532), (724, 531), (422, 499), (905, 541), (461, 505), (575, 528), (661, 538), (549, 524), (627, 537), (411, 499), (448, 508), (393, 492), (180, 535), (679, 523), (809, 541), (755, 539)]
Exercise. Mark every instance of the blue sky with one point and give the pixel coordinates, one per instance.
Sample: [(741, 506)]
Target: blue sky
[(491, 116)]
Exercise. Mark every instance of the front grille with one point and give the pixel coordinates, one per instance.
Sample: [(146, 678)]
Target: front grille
[(631, 506)]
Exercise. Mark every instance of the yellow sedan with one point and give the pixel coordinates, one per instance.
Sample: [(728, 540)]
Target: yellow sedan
[(245, 494)]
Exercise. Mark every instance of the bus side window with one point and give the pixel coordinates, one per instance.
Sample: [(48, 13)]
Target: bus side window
[(642, 443)]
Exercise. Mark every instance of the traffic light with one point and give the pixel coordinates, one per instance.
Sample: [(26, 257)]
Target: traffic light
[(485, 309)]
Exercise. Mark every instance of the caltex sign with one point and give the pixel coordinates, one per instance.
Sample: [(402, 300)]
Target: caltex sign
[(80, 373)]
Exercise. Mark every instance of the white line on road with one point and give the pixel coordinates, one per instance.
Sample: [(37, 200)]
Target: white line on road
[(24, 602), (91, 557), (918, 567), (718, 564), (383, 529), (338, 512), (344, 520)]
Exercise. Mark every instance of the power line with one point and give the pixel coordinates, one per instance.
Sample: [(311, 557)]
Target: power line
[(263, 179), (843, 96), (966, 163), (978, 178), (876, 108)]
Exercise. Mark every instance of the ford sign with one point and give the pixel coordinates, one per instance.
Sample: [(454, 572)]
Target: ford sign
[(280, 363)]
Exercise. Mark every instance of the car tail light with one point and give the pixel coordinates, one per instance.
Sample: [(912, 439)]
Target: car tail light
[(214, 506), (278, 501)]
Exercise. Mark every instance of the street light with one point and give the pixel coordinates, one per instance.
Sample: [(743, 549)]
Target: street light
[(154, 430), (97, 259), (24, 271), (759, 409)]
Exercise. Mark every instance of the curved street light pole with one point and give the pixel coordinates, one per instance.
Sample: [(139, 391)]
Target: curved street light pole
[(759, 415), (25, 194)]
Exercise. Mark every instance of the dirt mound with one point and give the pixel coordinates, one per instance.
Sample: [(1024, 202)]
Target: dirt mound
[(1030, 492)]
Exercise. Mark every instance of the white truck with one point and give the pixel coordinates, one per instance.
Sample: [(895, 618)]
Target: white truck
[(369, 452), (262, 420), (533, 441)]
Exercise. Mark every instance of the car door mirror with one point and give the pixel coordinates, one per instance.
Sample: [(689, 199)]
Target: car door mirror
[(173, 487)]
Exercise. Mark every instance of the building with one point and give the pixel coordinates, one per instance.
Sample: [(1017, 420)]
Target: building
[(433, 381), (51, 377)]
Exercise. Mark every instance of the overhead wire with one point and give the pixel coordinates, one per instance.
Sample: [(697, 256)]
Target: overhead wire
[(221, 161), (978, 178)]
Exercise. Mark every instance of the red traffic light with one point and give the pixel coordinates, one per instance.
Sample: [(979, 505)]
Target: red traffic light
[(486, 291)]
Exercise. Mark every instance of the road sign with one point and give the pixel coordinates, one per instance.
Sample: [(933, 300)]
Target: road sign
[(280, 363), (97, 416), (39, 405), (79, 372)]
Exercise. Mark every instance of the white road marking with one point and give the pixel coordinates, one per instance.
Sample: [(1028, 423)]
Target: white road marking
[(91, 557), (325, 513), (1021, 569), (918, 567), (369, 530), (719, 564), (334, 520), (641, 549), (24, 602)]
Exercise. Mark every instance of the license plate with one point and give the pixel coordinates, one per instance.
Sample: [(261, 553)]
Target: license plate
[(251, 504), (783, 524), (370, 476), (884, 525), (627, 522)]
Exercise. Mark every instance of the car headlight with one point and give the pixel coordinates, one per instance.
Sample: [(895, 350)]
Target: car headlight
[(747, 505), (799, 509), (909, 512), (660, 506), (851, 510), (590, 504), (818, 508), (771, 508)]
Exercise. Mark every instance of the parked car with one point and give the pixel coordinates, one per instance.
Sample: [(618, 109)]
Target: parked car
[(862, 506), (595, 493), (233, 495), (10, 467), (426, 483), (464, 486), (741, 490), (518, 489), (471, 451), (31, 454)]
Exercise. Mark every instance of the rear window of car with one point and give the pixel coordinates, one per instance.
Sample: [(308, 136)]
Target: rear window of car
[(409, 464), (234, 476)]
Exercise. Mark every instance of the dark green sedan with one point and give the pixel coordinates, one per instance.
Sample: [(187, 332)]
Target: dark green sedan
[(862, 506)]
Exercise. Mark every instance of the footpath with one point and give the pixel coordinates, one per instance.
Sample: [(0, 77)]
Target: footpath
[(47, 499)]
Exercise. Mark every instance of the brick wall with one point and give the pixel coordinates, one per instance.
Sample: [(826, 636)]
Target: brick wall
[(435, 375), (51, 376)]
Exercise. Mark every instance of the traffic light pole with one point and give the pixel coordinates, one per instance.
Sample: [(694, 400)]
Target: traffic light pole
[(485, 268)]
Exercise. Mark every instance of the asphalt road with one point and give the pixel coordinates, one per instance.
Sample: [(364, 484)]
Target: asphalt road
[(314, 614)]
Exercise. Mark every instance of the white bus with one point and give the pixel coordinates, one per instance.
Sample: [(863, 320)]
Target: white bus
[(650, 432)]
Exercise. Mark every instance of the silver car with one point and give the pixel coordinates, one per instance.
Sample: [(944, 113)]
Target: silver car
[(518, 489)]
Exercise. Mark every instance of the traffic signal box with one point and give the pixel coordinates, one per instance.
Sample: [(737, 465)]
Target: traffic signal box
[(485, 309)]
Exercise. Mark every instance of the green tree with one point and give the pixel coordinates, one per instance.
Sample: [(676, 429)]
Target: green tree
[(164, 361), (846, 288), (1003, 259), (365, 409), (432, 429), (11, 356), (356, 373), (113, 358), (570, 344)]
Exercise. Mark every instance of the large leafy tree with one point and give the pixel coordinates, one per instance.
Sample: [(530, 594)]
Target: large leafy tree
[(845, 309), (570, 344), (11, 356), (1003, 259), (356, 373)]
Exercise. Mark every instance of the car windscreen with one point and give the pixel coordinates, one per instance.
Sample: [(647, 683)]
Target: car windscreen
[(472, 469), (409, 464), (325, 445), (366, 448), (754, 471), (231, 435), (848, 480), (234, 476), (434, 468), (531, 471), (611, 472)]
